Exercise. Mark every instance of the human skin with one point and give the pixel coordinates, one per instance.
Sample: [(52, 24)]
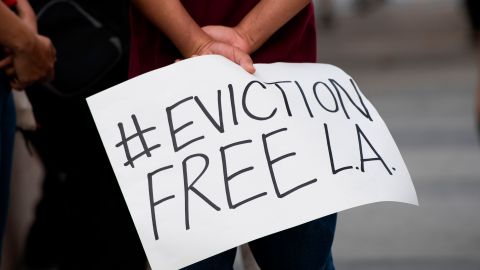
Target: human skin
[(258, 25), (27, 15), (235, 43), (30, 57)]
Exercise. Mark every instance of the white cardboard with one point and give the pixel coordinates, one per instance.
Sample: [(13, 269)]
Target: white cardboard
[(211, 231)]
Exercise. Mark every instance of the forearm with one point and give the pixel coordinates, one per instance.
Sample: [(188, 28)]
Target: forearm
[(14, 34), (170, 17), (25, 12), (266, 18)]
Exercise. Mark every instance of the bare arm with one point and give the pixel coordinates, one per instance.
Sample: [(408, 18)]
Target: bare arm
[(13, 33), (266, 18), (170, 17), (26, 13), (31, 57), (258, 25)]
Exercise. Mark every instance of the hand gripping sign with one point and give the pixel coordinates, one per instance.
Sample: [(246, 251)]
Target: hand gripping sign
[(209, 156)]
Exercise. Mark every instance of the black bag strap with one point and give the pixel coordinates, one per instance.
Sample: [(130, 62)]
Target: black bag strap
[(86, 53)]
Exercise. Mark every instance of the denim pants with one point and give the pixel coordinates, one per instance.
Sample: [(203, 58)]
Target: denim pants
[(7, 132), (304, 247)]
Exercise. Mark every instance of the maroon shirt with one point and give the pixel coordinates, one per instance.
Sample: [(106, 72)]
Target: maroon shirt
[(10, 3), (151, 49)]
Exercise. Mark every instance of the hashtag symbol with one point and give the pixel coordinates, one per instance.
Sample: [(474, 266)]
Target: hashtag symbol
[(139, 134)]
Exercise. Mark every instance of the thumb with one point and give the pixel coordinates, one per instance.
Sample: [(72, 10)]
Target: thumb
[(244, 60)]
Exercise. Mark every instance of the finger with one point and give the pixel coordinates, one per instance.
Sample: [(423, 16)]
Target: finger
[(247, 64), (7, 61), (244, 60)]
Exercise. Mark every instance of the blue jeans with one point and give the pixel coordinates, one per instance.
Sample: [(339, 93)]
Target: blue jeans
[(305, 247), (7, 132)]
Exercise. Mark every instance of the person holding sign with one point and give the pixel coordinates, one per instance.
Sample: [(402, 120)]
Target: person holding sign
[(245, 32)]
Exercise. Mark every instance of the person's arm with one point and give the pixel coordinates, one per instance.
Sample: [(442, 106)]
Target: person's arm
[(170, 17), (266, 18), (31, 57), (13, 33), (258, 25), (28, 17), (26, 13)]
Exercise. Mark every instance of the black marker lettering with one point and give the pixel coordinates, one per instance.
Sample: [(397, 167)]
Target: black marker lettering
[(270, 163), (331, 93), (330, 154), (232, 104), (174, 131), (362, 158), (219, 125), (188, 187), (304, 99), (364, 112), (227, 177), (244, 103), (155, 203), (287, 106)]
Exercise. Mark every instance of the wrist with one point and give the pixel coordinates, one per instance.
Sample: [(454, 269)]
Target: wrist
[(25, 40), (248, 42), (198, 46)]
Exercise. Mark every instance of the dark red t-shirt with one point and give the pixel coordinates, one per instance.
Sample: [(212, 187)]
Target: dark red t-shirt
[(10, 3), (151, 49)]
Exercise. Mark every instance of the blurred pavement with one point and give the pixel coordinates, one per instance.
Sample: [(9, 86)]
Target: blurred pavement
[(413, 61)]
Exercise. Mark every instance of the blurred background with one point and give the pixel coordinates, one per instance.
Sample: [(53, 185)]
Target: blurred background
[(417, 63), (415, 60)]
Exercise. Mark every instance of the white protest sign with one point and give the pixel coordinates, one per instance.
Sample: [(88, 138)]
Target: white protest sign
[(209, 157)]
